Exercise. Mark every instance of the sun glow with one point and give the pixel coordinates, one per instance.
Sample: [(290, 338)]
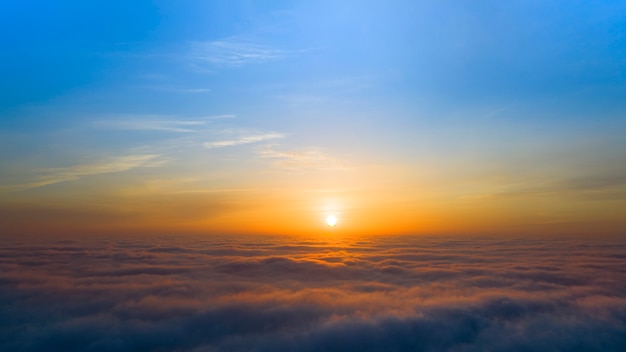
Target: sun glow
[(331, 220)]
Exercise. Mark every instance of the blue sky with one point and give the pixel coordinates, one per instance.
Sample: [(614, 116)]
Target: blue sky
[(421, 104)]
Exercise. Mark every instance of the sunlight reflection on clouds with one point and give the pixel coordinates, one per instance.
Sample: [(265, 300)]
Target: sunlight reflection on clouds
[(258, 293)]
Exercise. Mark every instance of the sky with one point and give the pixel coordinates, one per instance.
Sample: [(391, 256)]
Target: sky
[(265, 117)]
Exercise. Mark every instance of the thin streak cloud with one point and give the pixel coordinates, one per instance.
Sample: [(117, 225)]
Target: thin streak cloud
[(611, 185), (159, 123), (117, 164), (247, 139), (234, 52), (179, 89), (310, 158)]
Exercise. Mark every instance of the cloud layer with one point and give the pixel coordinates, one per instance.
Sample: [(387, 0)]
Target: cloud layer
[(278, 294)]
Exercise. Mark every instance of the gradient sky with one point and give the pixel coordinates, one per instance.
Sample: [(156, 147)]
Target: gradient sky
[(421, 117)]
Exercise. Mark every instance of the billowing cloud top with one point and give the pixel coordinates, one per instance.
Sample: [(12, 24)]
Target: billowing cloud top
[(278, 294)]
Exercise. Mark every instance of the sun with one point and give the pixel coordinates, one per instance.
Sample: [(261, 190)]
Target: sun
[(331, 220)]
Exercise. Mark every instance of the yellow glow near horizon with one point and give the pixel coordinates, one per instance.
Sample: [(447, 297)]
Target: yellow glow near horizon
[(331, 220)]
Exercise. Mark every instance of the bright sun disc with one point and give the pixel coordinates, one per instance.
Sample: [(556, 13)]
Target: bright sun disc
[(331, 220)]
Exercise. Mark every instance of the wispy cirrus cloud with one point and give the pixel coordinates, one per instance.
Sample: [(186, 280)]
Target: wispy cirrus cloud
[(158, 123), (610, 185), (234, 52), (181, 90), (309, 158), (116, 164), (244, 139)]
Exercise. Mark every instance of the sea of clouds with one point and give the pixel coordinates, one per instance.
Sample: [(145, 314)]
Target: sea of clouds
[(284, 294)]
